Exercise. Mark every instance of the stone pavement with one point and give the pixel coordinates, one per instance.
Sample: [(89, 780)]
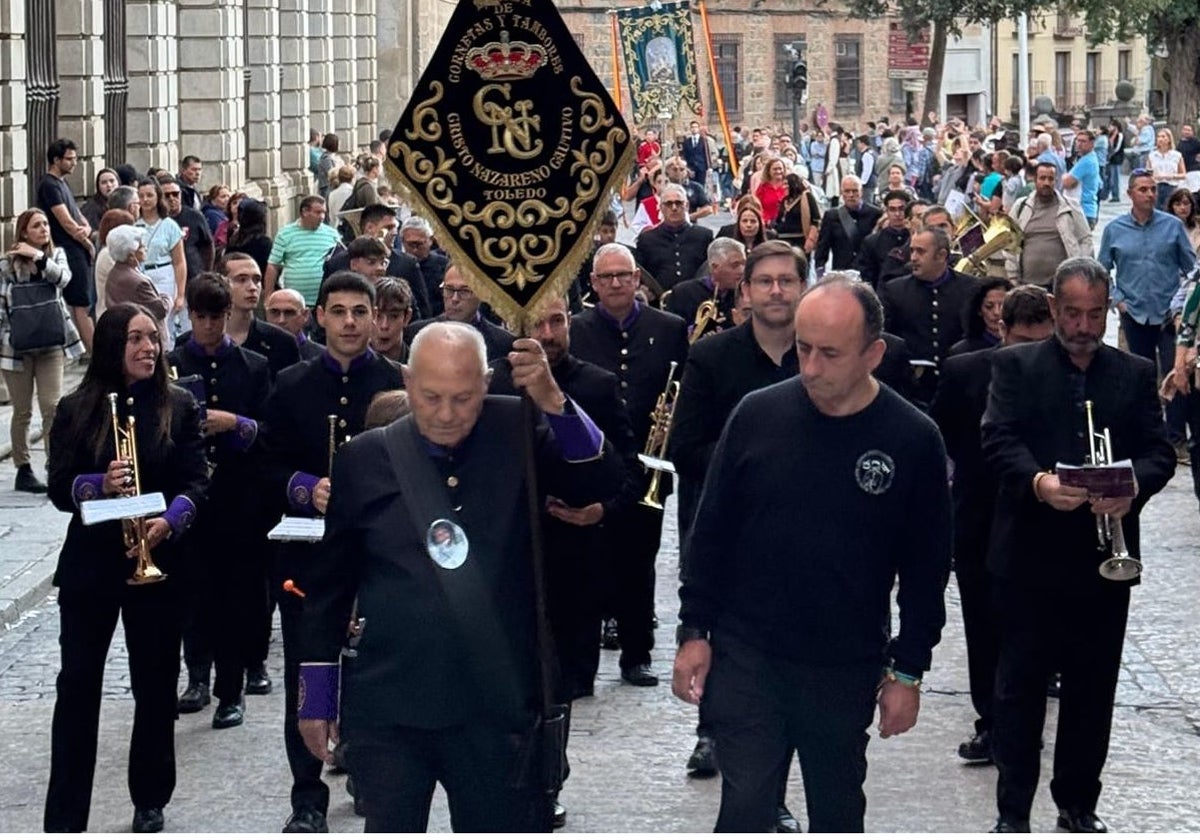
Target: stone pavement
[(628, 745)]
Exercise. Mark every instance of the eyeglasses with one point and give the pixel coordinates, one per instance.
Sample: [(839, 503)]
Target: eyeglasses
[(621, 277), (456, 291), (765, 282), (673, 204), (175, 194)]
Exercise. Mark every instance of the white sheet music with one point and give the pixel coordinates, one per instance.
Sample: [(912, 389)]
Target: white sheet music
[(298, 529), (121, 507), (656, 463)]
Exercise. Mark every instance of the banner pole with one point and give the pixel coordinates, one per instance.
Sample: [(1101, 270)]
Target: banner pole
[(616, 60), (717, 94)]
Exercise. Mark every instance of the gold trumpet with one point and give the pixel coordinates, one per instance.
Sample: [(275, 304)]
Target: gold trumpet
[(660, 432), (134, 528), (1120, 565)]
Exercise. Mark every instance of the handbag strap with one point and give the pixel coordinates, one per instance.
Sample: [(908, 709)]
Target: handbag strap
[(471, 604)]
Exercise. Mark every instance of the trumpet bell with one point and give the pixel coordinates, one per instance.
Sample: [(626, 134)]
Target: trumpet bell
[(1120, 568), (147, 574)]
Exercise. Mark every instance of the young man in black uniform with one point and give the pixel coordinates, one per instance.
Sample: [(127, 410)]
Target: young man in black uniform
[(227, 602), (795, 631), (428, 540), (1057, 610), (297, 439), (957, 409), (719, 372), (726, 263), (927, 308), (462, 305), (378, 221), (638, 344)]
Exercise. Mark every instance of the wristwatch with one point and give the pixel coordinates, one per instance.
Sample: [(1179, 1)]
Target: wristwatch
[(683, 633)]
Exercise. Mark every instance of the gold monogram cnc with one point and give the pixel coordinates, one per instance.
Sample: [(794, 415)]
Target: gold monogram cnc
[(516, 139)]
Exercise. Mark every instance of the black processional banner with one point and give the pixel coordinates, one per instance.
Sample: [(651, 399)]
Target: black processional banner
[(510, 144), (660, 60)]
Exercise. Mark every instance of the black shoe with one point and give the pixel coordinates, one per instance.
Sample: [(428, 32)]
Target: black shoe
[(560, 814), (1054, 686), (195, 698), (257, 680), (229, 715), (609, 639), (1080, 822), (27, 482), (352, 792), (785, 823), (147, 820), (338, 765), (306, 820), (639, 675), (703, 762), (1008, 825), (977, 749)]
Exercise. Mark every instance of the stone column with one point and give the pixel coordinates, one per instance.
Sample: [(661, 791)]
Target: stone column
[(266, 107), (394, 38), (153, 84), (14, 156), (295, 95), (345, 74), (211, 90), (80, 55), (369, 117), (320, 73)]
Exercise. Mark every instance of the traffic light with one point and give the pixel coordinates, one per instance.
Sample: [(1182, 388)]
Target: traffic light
[(798, 79)]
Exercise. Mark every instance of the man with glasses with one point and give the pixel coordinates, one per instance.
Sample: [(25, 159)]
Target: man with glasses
[(378, 221), (461, 304), (784, 607), (416, 237), (286, 310), (674, 250), (198, 249), (884, 253), (637, 343)]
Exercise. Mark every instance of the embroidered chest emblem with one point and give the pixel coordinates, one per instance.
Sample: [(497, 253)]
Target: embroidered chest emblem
[(874, 472)]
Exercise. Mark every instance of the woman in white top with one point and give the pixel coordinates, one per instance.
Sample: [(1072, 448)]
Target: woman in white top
[(1167, 166), (165, 264)]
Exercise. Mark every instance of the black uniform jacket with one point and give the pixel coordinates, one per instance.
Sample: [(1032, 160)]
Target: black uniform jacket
[(686, 298), (413, 663), (498, 340), (720, 370), (264, 338), (93, 556), (310, 349), (1034, 419), (673, 255), (832, 236), (884, 255), (404, 266), (958, 409), (930, 318), (597, 392)]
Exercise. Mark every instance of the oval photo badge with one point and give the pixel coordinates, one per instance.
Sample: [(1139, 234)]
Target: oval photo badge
[(446, 543)]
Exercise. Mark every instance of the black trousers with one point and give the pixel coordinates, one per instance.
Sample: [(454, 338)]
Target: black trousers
[(308, 791), (1156, 342), (395, 770), (633, 547), (151, 617), (576, 578), (761, 707), (1080, 631), (982, 634)]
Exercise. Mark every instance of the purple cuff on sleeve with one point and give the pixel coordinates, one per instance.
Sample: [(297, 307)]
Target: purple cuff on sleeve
[(577, 436), (300, 493), (241, 437), (318, 687), (180, 514), (87, 486)]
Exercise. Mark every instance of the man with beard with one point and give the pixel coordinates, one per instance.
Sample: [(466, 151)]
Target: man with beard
[(844, 229), (719, 372), (1057, 611), (461, 304), (1053, 229)]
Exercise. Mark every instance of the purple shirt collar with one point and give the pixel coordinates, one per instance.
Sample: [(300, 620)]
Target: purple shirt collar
[(223, 349), (945, 277), (357, 363), (623, 324)]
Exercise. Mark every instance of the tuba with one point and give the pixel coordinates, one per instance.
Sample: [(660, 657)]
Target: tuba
[(134, 528), (660, 432), (1001, 234), (1120, 565)]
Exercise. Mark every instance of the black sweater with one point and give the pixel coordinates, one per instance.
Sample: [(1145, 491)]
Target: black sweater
[(807, 519)]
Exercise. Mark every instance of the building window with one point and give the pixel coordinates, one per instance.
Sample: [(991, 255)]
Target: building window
[(848, 71), (1062, 79), (1092, 79), (1125, 65), (783, 66), (898, 100), (726, 55)]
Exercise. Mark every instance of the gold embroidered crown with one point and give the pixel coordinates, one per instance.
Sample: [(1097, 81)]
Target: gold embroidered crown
[(506, 61)]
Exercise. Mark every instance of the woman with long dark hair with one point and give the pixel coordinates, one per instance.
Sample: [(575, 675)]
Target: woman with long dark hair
[(799, 221), (251, 235), (982, 316), (107, 180), (95, 565), (36, 331), (747, 226)]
